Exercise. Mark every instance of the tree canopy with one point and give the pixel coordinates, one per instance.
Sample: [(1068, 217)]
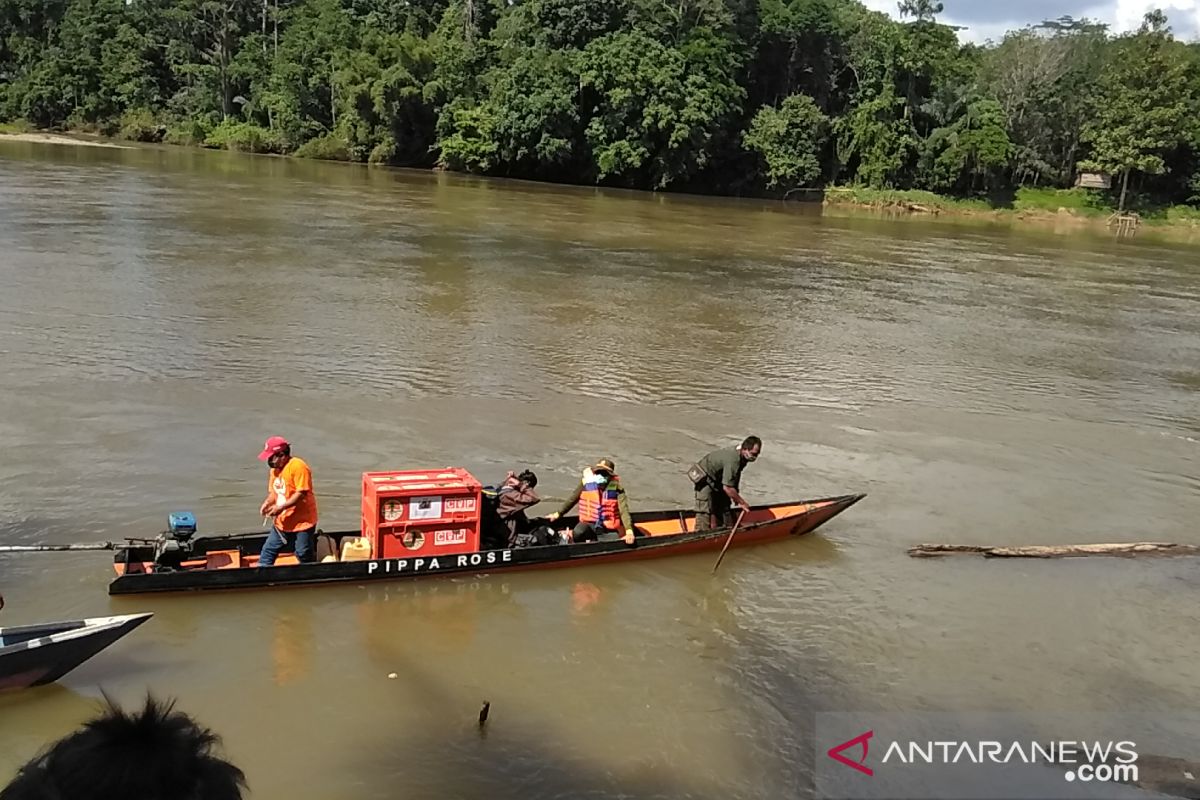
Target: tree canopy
[(734, 96)]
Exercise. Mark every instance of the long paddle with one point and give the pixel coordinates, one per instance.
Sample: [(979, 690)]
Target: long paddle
[(42, 548), (732, 531)]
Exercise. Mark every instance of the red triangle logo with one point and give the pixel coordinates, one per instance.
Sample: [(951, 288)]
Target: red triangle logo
[(835, 752)]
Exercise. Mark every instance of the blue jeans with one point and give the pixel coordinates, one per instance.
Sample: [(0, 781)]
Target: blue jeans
[(303, 541)]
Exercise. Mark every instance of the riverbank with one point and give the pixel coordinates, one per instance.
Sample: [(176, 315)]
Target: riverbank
[(1061, 210), (1057, 210), (41, 137)]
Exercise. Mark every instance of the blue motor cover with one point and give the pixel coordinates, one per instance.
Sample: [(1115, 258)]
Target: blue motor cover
[(181, 522)]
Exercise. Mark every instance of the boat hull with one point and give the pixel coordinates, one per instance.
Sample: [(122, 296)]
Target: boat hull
[(666, 533), (32, 655)]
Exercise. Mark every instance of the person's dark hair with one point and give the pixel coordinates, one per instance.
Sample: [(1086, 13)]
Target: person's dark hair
[(527, 477), (751, 442), (284, 449), (153, 754)]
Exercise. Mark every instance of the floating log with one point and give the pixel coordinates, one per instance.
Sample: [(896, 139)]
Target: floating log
[(1121, 549), (43, 548)]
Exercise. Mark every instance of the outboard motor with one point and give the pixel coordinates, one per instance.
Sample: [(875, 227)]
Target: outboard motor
[(174, 545)]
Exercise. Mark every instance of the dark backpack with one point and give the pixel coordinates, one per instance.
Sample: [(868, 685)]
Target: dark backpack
[(493, 533), (538, 536)]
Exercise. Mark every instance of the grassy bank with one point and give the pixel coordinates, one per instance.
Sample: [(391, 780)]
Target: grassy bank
[(1084, 206)]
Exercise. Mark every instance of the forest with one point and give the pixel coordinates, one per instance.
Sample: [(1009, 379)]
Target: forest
[(715, 96)]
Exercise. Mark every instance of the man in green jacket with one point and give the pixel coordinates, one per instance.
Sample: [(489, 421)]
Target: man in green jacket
[(717, 492)]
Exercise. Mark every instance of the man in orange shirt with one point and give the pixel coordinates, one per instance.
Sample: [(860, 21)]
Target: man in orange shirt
[(290, 502)]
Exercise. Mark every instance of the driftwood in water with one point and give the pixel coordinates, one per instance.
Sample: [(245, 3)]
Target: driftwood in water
[(1122, 549), (40, 548)]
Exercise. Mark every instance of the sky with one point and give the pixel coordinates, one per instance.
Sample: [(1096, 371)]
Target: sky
[(989, 19)]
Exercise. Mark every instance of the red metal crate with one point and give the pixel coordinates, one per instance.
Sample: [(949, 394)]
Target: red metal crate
[(421, 513)]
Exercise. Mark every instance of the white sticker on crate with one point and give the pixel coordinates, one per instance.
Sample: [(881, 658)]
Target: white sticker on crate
[(425, 508)]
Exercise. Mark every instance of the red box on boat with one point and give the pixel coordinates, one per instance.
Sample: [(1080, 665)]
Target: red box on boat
[(421, 513)]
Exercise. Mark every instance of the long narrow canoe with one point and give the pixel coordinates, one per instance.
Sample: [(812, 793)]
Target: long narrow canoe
[(31, 655), (661, 533)]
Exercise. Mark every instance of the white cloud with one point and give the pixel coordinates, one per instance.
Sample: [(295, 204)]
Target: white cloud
[(1184, 15), (985, 19), (886, 6)]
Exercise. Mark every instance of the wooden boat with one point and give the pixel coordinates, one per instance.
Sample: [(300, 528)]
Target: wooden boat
[(231, 561), (31, 655)]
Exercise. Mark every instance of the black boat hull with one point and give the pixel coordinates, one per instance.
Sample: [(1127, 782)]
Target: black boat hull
[(132, 560), (33, 655)]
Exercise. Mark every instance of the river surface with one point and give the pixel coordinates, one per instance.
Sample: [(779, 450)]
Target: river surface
[(163, 311)]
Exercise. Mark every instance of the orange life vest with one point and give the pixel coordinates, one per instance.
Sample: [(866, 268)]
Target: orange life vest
[(598, 502)]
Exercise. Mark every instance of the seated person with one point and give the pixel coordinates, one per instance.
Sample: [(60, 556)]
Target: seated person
[(603, 506), (504, 509), (515, 495)]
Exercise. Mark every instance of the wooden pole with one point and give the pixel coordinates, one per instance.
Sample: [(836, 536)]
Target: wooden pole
[(732, 531), (1121, 549), (42, 548)]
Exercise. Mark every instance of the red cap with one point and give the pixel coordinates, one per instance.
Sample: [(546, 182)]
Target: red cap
[(273, 446)]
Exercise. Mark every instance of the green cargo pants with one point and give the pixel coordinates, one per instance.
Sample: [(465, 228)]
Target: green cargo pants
[(712, 502)]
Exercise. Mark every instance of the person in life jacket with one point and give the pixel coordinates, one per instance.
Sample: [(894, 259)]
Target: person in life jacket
[(603, 507)]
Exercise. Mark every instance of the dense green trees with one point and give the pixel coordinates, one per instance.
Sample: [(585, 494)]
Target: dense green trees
[(790, 140), (1143, 106), (712, 95)]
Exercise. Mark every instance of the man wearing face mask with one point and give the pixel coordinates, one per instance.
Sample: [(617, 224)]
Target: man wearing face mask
[(718, 478), (603, 506), (290, 502)]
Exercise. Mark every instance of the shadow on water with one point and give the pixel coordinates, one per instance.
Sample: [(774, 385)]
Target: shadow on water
[(528, 751), (812, 548), (52, 697), (121, 663), (787, 688), (56, 708), (509, 757)]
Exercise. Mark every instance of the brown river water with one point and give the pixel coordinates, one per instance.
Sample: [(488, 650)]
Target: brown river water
[(163, 311)]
